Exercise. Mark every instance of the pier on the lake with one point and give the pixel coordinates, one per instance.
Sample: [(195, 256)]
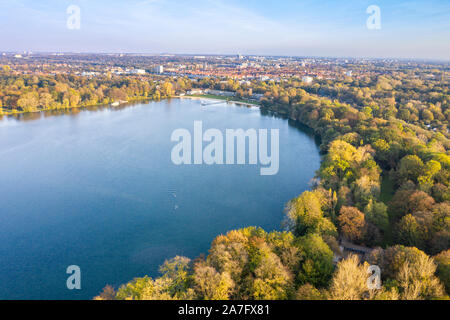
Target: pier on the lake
[(209, 103)]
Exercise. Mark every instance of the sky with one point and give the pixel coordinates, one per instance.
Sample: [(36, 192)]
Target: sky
[(324, 28)]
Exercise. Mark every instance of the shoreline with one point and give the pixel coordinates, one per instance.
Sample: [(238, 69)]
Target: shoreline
[(129, 102), (85, 107)]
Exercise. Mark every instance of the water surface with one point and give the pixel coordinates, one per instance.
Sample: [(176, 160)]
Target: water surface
[(97, 189)]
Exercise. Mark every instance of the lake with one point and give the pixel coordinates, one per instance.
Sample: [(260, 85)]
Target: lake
[(97, 188)]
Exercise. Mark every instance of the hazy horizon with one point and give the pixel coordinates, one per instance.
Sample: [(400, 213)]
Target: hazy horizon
[(206, 54), (408, 29)]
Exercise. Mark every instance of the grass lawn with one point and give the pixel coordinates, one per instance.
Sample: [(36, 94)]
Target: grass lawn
[(387, 189), (387, 192)]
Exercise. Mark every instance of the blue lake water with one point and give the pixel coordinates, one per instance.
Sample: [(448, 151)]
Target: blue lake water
[(97, 189)]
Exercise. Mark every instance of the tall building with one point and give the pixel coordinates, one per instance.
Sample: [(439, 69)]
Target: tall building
[(159, 69), (307, 79)]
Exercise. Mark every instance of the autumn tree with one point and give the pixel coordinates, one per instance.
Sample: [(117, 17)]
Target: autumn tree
[(352, 224), (413, 272), (212, 285), (350, 280)]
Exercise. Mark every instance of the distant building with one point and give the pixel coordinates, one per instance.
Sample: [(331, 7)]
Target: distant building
[(138, 71), (159, 69), (257, 96), (195, 91), (220, 93), (307, 79), (89, 74), (349, 73)]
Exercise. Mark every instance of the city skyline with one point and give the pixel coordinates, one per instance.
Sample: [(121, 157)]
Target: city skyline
[(409, 29)]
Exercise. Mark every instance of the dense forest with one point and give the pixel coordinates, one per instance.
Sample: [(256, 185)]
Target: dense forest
[(31, 93), (383, 184)]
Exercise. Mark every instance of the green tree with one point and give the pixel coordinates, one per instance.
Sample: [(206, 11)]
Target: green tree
[(409, 232), (443, 268), (268, 278), (410, 168), (425, 180), (317, 261), (309, 292), (304, 215), (177, 270), (376, 213)]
